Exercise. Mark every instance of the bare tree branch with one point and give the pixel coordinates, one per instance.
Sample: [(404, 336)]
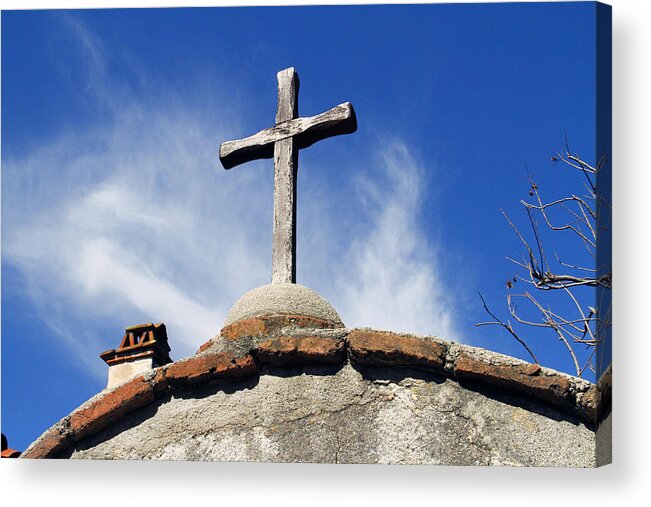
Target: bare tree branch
[(506, 326), (580, 329)]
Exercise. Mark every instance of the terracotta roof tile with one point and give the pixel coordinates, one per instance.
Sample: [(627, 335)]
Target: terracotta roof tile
[(6, 452), (10, 453)]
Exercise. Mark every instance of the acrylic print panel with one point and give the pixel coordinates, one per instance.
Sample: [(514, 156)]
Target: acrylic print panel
[(433, 289)]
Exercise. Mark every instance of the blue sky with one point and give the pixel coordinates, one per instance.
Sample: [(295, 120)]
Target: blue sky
[(115, 209)]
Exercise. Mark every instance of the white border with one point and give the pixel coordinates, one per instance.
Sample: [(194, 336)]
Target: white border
[(127, 483)]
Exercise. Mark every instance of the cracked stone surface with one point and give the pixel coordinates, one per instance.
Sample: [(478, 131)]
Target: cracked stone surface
[(330, 415)]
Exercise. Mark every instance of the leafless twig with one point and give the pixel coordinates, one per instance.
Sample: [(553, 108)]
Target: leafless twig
[(576, 215)]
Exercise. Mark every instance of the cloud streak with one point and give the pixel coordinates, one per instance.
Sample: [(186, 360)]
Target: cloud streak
[(393, 282), (134, 220)]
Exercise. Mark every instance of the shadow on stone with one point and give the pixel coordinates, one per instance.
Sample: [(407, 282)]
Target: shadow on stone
[(228, 386), (130, 421), (137, 417), (396, 373), (518, 400), (320, 370)]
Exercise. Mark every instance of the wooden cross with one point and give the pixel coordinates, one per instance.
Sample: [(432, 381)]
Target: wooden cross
[(282, 142)]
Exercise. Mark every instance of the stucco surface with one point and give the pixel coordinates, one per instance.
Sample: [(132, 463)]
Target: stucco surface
[(120, 373), (346, 415)]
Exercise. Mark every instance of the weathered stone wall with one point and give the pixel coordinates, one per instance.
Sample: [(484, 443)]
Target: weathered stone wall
[(272, 389), (346, 415)]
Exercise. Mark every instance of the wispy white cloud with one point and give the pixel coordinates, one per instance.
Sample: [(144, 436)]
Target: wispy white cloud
[(153, 234), (382, 271), (395, 282), (134, 220)]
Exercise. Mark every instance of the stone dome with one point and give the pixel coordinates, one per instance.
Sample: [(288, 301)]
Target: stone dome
[(283, 299)]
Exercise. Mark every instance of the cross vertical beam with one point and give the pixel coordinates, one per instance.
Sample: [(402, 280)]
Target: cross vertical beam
[(283, 252)]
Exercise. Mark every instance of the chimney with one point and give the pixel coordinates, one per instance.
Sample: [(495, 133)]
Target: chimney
[(6, 451), (143, 347)]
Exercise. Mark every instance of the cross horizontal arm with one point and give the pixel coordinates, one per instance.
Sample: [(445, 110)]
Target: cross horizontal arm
[(306, 131)]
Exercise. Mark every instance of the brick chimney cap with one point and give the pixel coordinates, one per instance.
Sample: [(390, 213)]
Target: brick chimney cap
[(148, 325)]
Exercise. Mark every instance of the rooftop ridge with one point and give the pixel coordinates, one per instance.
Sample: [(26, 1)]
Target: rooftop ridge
[(224, 358)]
